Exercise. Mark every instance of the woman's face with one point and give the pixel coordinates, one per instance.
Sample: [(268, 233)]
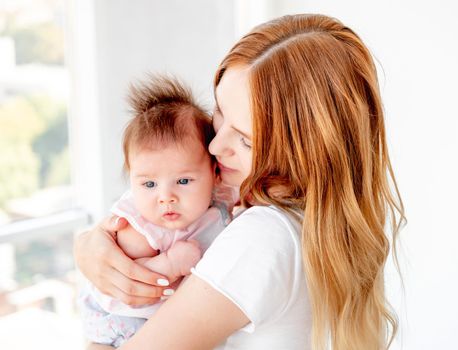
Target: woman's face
[(232, 123)]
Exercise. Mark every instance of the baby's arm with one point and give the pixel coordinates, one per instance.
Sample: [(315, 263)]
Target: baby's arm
[(175, 262), (134, 244)]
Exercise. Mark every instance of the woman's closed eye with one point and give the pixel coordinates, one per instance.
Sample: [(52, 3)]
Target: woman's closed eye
[(245, 142)]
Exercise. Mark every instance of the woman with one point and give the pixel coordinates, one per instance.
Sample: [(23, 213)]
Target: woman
[(300, 129)]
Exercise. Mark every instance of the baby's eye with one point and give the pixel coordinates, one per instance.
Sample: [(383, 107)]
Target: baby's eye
[(183, 181), (149, 184)]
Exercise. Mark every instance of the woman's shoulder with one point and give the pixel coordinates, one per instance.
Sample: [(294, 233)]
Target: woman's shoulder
[(265, 226), (269, 212), (268, 216), (258, 251)]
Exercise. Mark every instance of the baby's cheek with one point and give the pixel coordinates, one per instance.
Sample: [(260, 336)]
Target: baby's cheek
[(145, 206), (198, 204), (206, 195)]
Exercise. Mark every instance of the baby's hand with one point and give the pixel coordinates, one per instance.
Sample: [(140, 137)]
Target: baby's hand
[(175, 262), (184, 255)]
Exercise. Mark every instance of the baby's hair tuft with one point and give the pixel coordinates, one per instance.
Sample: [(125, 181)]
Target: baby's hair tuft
[(164, 112), (158, 90)]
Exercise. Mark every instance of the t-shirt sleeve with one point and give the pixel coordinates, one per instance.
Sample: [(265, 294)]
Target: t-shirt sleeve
[(254, 263)]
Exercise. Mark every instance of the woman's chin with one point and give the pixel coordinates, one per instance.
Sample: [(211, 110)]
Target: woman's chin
[(233, 179)]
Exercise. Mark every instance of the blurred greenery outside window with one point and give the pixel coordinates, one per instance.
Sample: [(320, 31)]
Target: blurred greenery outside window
[(34, 158), (37, 280)]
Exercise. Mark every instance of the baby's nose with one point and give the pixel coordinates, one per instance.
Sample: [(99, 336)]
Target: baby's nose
[(167, 200), (167, 197)]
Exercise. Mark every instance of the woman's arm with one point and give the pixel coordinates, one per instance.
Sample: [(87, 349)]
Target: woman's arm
[(101, 260), (196, 317)]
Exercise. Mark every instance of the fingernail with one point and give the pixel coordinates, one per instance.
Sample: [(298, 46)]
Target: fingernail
[(117, 220), (163, 282), (164, 298), (168, 292)]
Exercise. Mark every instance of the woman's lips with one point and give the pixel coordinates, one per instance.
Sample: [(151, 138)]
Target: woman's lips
[(225, 169), (171, 216)]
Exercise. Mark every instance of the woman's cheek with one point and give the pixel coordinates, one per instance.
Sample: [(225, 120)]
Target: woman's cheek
[(247, 160)]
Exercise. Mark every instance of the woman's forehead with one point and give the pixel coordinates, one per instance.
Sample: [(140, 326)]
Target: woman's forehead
[(233, 96), (233, 83)]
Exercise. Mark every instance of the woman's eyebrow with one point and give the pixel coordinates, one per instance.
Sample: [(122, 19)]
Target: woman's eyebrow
[(221, 112), (241, 133)]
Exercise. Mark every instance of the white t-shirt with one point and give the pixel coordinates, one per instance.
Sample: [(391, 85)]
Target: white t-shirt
[(256, 262)]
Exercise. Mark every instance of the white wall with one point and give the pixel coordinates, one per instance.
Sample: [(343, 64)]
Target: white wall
[(415, 44)]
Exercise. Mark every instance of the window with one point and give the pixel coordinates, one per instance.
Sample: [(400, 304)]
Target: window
[(37, 203), (34, 162)]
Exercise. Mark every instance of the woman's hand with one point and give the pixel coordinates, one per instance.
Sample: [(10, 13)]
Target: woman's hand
[(101, 260)]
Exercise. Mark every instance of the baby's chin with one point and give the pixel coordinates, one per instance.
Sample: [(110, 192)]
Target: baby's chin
[(172, 226), (179, 224)]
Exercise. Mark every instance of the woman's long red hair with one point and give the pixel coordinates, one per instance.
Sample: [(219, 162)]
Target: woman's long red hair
[(319, 146)]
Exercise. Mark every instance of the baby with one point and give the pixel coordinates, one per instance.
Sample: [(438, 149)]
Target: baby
[(171, 206)]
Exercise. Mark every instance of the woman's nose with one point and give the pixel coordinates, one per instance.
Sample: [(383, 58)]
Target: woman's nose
[(219, 146)]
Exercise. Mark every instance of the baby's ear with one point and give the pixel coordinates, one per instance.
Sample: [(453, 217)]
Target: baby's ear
[(216, 174)]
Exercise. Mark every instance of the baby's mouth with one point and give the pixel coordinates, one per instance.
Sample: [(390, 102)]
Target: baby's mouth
[(171, 216)]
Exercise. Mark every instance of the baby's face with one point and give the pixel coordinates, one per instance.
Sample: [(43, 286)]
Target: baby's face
[(172, 185)]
